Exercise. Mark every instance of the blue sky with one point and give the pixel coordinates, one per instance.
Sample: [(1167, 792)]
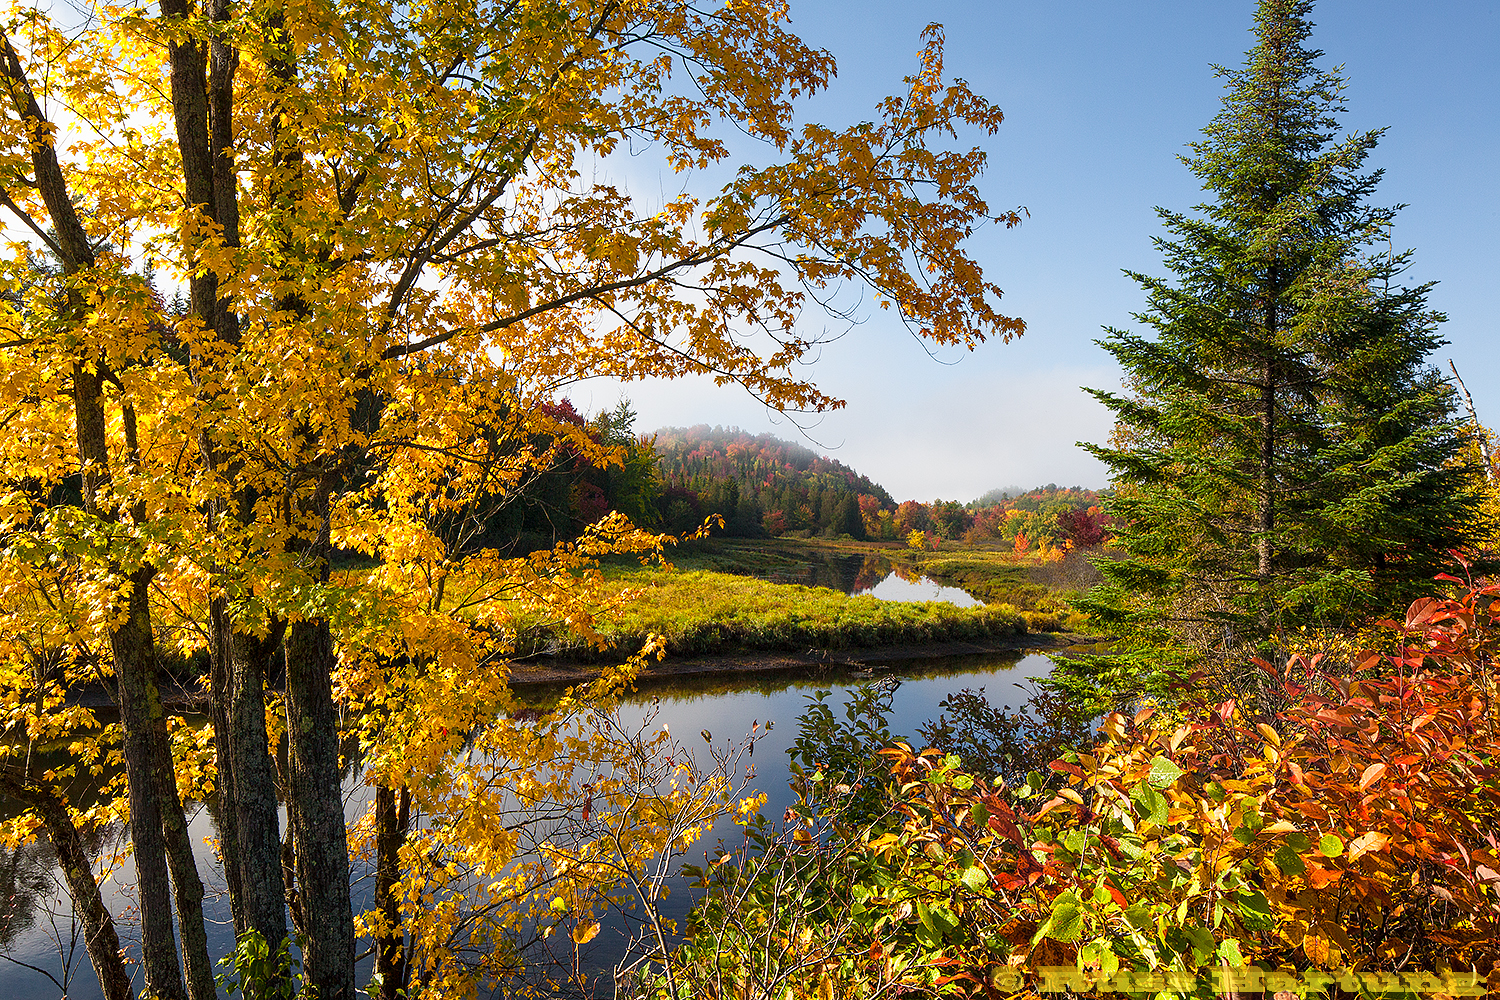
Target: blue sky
[(1100, 98)]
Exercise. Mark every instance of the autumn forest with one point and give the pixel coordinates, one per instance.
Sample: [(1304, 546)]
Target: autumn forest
[(343, 653)]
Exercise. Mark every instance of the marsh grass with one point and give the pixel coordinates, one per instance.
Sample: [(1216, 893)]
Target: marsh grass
[(702, 612)]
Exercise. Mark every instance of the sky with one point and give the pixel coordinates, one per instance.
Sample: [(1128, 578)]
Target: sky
[(1100, 98)]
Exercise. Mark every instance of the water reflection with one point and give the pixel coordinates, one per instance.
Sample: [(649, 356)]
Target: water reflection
[(920, 588), (873, 574), (25, 877), (848, 573)]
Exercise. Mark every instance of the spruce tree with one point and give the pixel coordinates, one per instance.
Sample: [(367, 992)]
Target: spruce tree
[(1283, 454)]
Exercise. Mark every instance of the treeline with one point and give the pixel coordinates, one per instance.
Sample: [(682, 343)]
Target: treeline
[(760, 486), (573, 482), (1049, 518), (1046, 520)]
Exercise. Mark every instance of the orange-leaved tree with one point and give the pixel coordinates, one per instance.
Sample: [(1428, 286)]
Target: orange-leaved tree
[(397, 236)]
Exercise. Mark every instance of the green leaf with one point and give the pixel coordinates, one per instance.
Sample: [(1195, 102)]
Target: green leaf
[(1164, 772), (1254, 910), (975, 878), (1150, 804), (1287, 860), (1331, 846), (1251, 823), (1229, 951), (1203, 941), (1067, 918), (1298, 841)]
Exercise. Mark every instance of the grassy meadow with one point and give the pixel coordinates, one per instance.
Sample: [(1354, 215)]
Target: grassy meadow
[(734, 596)]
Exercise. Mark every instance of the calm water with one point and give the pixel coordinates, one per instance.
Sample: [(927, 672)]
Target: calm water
[(920, 588), (39, 933), (872, 573)]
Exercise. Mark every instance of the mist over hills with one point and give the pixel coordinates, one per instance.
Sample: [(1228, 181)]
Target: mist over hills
[(706, 451)]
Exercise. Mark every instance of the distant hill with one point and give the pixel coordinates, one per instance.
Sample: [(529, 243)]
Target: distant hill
[(761, 484), (1009, 496), (730, 453)]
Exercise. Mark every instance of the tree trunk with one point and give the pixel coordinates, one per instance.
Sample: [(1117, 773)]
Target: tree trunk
[(257, 825), (1266, 473), (1265, 521), (315, 807), (315, 804), (142, 718), (99, 935), (202, 105), (392, 813)]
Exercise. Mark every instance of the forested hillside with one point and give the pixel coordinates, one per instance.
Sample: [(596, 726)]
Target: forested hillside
[(760, 484)]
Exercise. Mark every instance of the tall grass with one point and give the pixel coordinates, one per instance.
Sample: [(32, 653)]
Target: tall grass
[(703, 612)]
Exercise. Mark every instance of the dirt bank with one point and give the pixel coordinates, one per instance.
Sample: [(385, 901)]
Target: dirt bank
[(556, 671)]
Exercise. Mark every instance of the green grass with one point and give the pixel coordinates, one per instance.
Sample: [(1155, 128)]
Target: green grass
[(705, 612)]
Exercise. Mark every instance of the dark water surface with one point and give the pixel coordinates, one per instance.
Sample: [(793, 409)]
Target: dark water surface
[(35, 914)]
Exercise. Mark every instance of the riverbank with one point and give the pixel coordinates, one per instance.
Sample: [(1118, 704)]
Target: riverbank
[(550, 671)]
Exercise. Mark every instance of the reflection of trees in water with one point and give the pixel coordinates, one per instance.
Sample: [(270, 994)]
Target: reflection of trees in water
[(874, 569), (851, 574), (826, 569), (911, 574), (35, 903), (25, 877)]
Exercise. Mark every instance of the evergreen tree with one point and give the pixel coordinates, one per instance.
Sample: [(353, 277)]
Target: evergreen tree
[(1284, 454)]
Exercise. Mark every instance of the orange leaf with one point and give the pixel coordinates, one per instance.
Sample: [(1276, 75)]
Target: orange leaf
[(1372, 774), (1365, 843), (1320, 877)]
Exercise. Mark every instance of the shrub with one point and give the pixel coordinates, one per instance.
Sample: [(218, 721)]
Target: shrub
[(1356, 829)]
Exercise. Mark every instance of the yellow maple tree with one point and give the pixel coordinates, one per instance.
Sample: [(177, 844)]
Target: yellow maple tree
[(395, 234)]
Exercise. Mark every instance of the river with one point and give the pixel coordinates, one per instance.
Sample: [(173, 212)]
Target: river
[(35, 936)]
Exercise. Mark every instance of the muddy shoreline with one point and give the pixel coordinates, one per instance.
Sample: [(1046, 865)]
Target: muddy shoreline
[(559, 671), (555, 672)]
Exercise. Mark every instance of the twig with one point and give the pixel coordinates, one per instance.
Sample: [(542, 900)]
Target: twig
[(1484, 437)]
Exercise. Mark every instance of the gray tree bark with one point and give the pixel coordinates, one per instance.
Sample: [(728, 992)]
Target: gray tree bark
[(315, 804)]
